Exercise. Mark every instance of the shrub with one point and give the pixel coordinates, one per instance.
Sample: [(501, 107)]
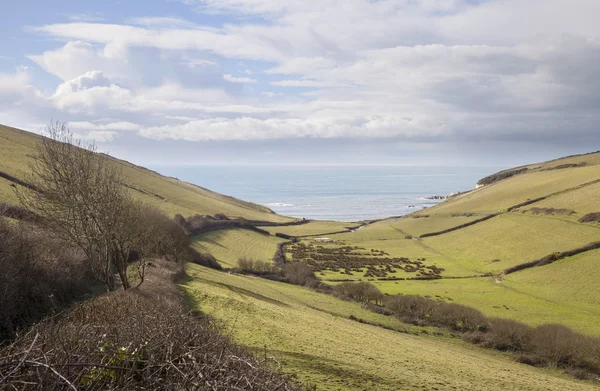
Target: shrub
[(364, 292), (204, 259), (140, 339), (251, 266), (39, 275), (298, 273), (590, 218), (508, 334), (458, 317), (501, 175), (558, 346), (410, 308)]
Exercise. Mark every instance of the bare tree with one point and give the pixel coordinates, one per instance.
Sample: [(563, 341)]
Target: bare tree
[(79, 197)]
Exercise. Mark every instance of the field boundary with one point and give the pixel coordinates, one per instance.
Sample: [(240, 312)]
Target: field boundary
[(548, 259), (465, 225)]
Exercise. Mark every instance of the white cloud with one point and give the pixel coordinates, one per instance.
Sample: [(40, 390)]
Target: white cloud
[(243, 80), (157, 21), (98, 136), (403, 68), (111, 126), (79, 57), (90, 91), (247, 128)]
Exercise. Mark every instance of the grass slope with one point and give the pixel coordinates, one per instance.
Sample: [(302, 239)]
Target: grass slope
[(309, 334), (314, 227), (582, 201), (504, 299), (414, 226), (168, 194), (562, 281), (512, 191), (511, 239), (227, 246)]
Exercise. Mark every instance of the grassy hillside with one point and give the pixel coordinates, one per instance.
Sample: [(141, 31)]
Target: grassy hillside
[(511, 239), (168, 194), (312, 228), (227, 246), (390, 253), (310, 335), (571, 281)]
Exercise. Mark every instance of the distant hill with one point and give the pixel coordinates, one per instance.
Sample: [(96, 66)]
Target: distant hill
[(171, 195), (586, 159)]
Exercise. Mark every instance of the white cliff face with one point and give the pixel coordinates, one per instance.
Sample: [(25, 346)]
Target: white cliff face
[(478, 186)]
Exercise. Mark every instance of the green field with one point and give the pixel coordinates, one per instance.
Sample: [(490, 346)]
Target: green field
[(503, 298), (393, 248), (581, 201), (411, 225), (501, 195), (569, 282), (309, 334), (168, 194), (227, 246), (511, 239), (314, 227)]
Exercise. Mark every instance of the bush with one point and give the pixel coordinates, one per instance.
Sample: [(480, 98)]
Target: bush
[(508, 334), (39, 275), (410, 308), (364, 292), (132, 340), (590, 218), (458, 317), (558, 346), (251, 266), (204, 259), (423, 311), (298, 273)]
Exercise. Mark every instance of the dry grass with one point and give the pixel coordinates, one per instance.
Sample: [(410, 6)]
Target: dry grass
[(140, 339)]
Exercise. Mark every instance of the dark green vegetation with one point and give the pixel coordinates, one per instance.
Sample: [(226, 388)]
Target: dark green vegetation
[(350, 260)]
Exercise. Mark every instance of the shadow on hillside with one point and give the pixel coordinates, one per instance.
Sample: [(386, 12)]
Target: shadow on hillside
[(328, 367), (235, 289)]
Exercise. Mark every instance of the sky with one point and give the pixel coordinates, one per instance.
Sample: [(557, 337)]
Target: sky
[(406, 82)]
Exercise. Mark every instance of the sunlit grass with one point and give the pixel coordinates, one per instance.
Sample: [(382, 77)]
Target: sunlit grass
[(311, 336), (227, 246)]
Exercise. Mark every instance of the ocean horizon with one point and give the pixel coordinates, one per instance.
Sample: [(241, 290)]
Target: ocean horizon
[(343, 193)]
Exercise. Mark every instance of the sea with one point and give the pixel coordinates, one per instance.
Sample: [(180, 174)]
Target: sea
[(342, 193)]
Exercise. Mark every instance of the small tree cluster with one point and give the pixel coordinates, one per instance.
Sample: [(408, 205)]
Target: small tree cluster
[(79, 197), (257, 267), (363, 292), (423, 311)]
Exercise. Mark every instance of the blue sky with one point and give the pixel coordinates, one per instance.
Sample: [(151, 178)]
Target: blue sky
[(422, 82)]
